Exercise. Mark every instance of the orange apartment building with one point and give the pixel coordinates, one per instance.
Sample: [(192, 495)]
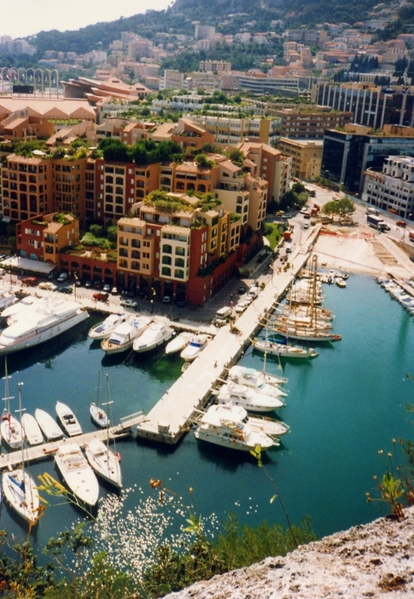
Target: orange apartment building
[(176, 253), (41, 238)]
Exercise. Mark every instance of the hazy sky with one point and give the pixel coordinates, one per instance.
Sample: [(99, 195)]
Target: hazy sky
[(20, 18)]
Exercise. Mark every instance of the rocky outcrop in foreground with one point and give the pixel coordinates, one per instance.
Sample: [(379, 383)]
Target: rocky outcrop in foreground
[(376, 560)]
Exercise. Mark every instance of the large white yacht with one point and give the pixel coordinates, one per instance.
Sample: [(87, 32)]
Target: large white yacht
[(41, 323), (229, 426)]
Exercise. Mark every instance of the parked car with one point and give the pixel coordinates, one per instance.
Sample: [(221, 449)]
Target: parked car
[(47, 286), (114, 291), (100, 297), (401, 223), (107, 288), (62, 277), (65, 289), (166, 299), (88, 284), (181, 303), (128, 303), (29, 281)]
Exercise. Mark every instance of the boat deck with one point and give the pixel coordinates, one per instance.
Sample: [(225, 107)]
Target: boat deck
[(174, 413), (47, 450)]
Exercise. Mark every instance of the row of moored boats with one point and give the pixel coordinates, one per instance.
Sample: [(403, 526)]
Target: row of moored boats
[(78, 468), (398, 293)]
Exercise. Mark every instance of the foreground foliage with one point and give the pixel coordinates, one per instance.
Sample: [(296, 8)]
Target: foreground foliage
[(77, 570)]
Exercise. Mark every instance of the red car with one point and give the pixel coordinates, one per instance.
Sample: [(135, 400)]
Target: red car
[(100, 297), (401, 223)]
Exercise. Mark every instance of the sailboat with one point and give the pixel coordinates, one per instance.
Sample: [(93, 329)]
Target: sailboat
[(11, 428), (311, 327), (19, 488), (98, 414), (101, 458)]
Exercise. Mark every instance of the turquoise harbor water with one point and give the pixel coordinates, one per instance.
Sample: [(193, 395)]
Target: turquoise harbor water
[(342, 408)]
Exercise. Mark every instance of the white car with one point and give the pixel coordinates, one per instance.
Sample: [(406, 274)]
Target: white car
[(241, 306), (48, 286), (62, 277), (128, 303)]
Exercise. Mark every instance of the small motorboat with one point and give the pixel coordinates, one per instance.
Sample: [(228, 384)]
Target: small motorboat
[(178, 343), (103, 329), (31, 429), (195, 347), (48, 425), (68, 419)]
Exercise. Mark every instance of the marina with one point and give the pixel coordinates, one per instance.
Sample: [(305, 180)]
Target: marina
[(337, 422)]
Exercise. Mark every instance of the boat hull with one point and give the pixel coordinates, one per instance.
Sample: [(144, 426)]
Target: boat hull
[(104, 462), (20, 492), (48, 426), (32, 429), (68, 420), (33, 339), (285, 351), (77, 473)]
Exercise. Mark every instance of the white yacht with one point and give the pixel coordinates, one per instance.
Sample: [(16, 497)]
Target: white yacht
[(248, 398), (48, 425), (31, 429), (103, 329), (178, 343), (157, 333), (7, 298), (123, 336), (12, 311), (229, 426), (244, 373), (41, 323), (255, 383), (284, 350), (104, 461), (68, 420), (77, 473), (195, 347)]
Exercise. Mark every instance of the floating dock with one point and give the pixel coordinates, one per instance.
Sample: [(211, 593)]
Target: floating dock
[(47, 450)]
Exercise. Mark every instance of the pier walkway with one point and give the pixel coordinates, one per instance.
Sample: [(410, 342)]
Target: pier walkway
[(47, 450), (170, 418)]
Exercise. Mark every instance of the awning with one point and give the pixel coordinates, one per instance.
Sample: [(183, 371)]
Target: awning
[(42, 268)]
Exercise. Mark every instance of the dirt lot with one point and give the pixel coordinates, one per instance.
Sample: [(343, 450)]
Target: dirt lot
[(360, 250)]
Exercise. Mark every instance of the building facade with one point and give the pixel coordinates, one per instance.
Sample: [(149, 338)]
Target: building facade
[(392, 189), (306, 156)]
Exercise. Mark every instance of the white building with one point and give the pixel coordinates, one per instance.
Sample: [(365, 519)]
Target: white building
[(393, 188)]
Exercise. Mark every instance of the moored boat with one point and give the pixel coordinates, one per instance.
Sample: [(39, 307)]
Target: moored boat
[(68, 420), (158, 332), (104, 461), (77, 473), (98, 415), (103, 329), (41, 323), (229, 426), (20, 489), (245, 374), (195, 347), (248, 398), (122, 337), (255, 382), (178, 343), (31, 429), (48, 425), (10, 427), (284, 350)]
